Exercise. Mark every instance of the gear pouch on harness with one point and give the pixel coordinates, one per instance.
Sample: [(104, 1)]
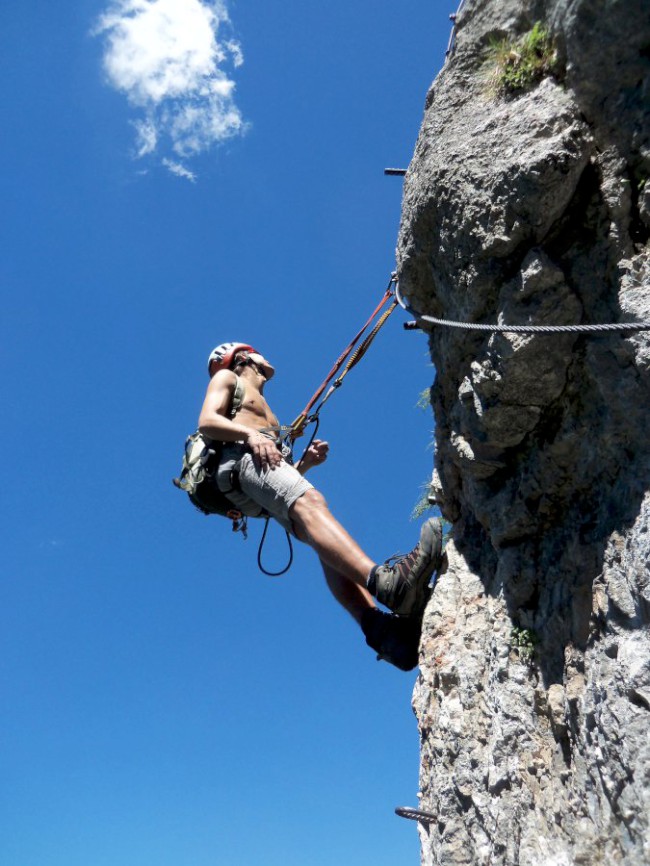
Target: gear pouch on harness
[(200, 469), (198, 477)]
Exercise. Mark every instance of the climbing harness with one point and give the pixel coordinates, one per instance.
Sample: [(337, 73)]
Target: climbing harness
[(203, 474), (198, 479), (201, 459), (518, 329), (415, 814)]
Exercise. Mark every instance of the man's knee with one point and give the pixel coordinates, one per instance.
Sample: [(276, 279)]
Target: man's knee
[(310, 501)]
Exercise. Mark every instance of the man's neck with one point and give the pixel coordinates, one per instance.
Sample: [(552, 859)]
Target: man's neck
[(253, 377)]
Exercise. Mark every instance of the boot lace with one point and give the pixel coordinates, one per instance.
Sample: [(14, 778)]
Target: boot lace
[(403, 562)]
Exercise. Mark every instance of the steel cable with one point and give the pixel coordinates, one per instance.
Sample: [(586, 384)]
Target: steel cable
[(522, 329)]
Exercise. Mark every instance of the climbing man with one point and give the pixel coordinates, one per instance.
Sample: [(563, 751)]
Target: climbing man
[(257, 475)]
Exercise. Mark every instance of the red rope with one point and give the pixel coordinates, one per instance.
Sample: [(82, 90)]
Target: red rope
[(299, 423)]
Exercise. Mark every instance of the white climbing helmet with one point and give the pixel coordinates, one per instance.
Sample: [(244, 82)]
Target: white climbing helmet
[(224, 354)]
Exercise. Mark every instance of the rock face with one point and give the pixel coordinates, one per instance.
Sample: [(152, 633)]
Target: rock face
[(533, 700)]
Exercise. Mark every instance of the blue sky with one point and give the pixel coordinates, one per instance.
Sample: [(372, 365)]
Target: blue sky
[(165, 704)]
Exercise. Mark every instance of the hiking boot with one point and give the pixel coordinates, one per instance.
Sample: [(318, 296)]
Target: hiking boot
[(395, 639), (402, 582)]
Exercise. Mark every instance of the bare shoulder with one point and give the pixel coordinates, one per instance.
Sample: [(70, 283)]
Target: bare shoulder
[(219, 395), (223, 380)]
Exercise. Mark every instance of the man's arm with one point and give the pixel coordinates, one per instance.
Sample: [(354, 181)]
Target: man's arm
[(213, 420), (215, 424)]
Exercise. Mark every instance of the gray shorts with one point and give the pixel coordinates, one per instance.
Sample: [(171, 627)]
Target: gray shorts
[(273, 490)]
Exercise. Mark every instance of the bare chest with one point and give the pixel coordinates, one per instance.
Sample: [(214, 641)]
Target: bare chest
[(256, 411)]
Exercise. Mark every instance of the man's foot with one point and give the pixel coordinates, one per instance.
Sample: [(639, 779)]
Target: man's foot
[(402, 585), (395, 639)]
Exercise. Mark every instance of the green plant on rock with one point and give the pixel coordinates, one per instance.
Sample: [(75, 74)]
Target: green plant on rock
[(517, 65), (424, 503), (424, 399), (523, 641)]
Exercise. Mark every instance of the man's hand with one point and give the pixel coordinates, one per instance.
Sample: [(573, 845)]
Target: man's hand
[(314, 455), (265, 451)]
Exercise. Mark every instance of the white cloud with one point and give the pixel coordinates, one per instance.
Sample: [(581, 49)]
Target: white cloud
[(235, 49), (178, 169), (146, 136), (167, 57)]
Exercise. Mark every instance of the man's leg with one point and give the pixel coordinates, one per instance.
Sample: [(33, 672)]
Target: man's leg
[(401, 586), (354, 598), (350, 574), (394, 638), (316, 526)]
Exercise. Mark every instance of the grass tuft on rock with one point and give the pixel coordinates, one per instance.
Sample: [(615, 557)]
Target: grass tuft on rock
[(516, 65)]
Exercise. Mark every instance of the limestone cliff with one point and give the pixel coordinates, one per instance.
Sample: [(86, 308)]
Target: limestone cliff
[(531, 206)]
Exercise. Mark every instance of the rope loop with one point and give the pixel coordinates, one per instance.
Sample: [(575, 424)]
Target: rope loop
[(259, 554)]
